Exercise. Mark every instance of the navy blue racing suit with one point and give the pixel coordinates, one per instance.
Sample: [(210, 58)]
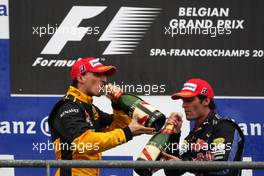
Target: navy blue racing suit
[(217, 139)]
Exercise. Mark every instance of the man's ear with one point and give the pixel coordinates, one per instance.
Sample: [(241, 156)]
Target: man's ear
[(80, 78), (206, 101)]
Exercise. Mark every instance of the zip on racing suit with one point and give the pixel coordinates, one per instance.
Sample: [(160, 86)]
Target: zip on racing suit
[(80, 131), (218, 139)]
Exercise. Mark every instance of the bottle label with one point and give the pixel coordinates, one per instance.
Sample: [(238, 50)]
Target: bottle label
[(167, 131), (150, 153), (147, 106), (143, 120), (140, 116)]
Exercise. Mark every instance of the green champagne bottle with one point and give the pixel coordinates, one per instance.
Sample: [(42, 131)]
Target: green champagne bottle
[(152, 150), (140, 110)]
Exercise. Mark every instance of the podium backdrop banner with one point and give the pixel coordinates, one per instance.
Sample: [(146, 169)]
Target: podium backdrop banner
[(155, 45)]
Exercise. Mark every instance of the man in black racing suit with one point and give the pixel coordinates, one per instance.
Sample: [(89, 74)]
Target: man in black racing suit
[(79, 129), (213, 138)]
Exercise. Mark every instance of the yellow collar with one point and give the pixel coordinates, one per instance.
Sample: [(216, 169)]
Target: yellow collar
[(79, 95)]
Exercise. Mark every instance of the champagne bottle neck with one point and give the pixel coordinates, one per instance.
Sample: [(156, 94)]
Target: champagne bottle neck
[(114, 92), (169, 128), (117, 95)]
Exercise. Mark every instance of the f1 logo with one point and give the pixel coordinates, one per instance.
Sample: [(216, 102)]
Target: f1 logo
[(71, 21), (124, 31)]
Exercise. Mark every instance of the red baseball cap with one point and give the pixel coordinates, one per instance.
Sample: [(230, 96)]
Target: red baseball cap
[(91, 65), (194, 87)]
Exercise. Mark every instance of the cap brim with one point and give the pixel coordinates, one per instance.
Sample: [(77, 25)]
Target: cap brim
[(107, 70), (183, 94)]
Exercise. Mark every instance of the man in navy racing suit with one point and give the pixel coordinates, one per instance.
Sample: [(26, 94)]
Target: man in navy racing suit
[(213, 138)]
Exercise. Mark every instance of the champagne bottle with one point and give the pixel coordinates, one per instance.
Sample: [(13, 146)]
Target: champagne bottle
[(152, 150), (140, 110)]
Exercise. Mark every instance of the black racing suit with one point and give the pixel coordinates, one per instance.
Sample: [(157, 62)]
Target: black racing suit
[(81, 131), (218, 139)]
